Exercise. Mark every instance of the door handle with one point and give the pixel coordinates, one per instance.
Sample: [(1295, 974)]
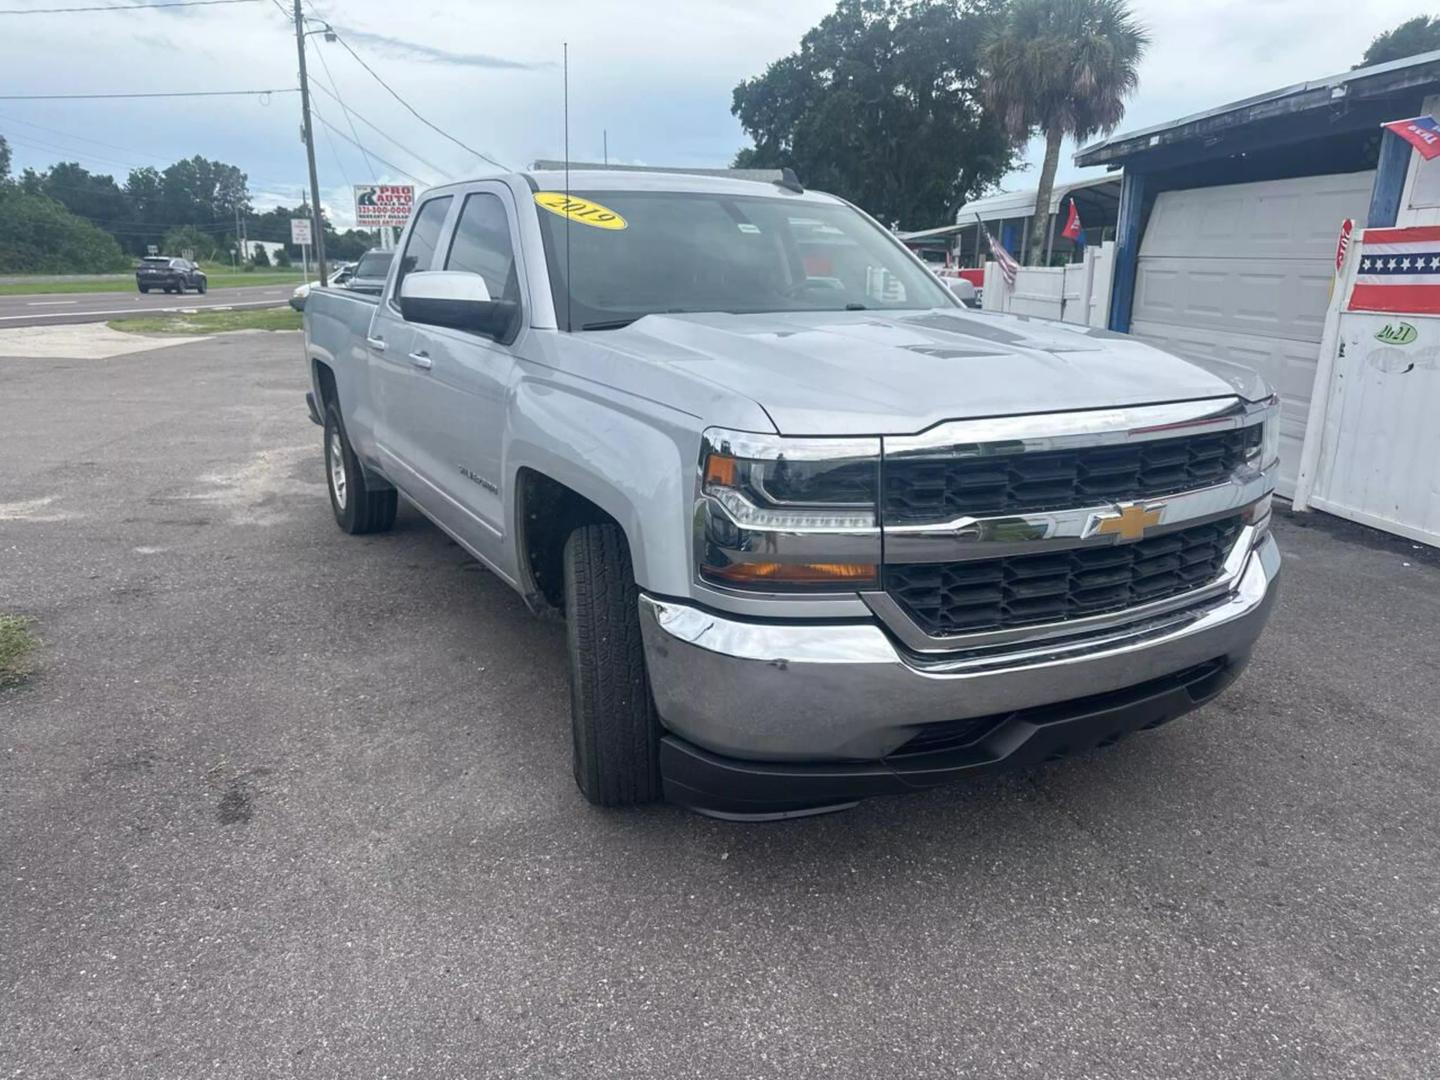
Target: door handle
[(420, 360), (376, 343)]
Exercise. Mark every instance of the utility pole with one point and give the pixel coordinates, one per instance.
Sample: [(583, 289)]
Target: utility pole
[(317, 218)]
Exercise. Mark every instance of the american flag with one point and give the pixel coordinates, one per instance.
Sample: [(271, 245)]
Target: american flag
[(1399, 271), (1008, 265)]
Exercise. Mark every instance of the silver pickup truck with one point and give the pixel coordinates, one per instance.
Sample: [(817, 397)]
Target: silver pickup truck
[(818, 532)]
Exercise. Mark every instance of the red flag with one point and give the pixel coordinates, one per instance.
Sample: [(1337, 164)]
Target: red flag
[(1422, 132), (1072, 224)]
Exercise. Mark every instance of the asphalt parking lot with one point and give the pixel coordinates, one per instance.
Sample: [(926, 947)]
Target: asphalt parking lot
[(283, 802)]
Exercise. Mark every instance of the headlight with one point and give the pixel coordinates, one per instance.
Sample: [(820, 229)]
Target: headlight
[(1264, 456), (1264, 443), (779, 515)]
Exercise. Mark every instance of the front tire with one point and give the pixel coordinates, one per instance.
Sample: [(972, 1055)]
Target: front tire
[(200, 288), (357, 509), (616, 733), (144, 289)]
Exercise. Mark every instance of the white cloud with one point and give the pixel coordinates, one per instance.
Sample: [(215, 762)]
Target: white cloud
[(656, 77)]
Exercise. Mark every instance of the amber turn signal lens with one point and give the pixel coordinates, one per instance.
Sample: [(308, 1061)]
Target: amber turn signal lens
[(721, 470), (794, 573)]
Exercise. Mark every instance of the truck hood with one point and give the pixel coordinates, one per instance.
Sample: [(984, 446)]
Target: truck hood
[(864, 372)]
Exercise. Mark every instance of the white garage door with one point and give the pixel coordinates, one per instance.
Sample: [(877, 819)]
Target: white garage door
[(1241, 274)]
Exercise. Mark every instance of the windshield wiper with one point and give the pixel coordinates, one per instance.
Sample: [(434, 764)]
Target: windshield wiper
[(607, 324), (856, 307)]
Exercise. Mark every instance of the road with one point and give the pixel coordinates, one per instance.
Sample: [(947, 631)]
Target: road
[(282, 802), (54, 309)]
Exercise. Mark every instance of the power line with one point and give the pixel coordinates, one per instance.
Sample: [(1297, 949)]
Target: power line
[(410, 108), (334, 93), (123, 7), (82, 138), (377, 157), (379, 131), (161, 94)]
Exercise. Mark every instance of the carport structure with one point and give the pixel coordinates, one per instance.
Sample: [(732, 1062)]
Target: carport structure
[(1228, 220)]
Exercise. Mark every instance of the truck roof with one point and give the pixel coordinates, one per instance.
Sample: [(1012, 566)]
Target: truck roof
[(637, 180)]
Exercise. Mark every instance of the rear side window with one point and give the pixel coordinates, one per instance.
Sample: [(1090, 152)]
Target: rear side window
[(424, 238), (373, 264), (482, 246)]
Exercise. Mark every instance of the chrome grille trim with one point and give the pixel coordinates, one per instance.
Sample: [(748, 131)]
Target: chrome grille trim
[(1001, 535), (917, 640), (1016, 534), (1089, 427)]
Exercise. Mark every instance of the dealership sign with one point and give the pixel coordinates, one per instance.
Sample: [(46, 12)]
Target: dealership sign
[(381, 205)]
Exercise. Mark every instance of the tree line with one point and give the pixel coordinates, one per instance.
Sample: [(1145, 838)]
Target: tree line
[(67, 219), (911, 108)]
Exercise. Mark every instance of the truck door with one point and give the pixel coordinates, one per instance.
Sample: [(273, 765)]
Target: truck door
[(463, 398), (396, 375)]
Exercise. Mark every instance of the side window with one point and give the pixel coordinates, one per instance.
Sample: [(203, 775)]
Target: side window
[(424, 238), (482, 246)]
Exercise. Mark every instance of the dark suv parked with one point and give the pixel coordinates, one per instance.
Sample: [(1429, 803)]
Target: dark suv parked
[(172, 275)]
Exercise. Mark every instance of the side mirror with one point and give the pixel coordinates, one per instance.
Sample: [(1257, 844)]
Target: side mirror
[(964, 291), (456, 299)]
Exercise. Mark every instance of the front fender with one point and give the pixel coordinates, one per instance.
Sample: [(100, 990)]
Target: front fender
[(634, 459)]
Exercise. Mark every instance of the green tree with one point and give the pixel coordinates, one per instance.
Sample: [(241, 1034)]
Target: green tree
[(92, 196), (142, 188), (1058, 68), (882, 104), (189, 238), (201, 192), (1412, 37), (259, 257), (39, 236), (4, 161)]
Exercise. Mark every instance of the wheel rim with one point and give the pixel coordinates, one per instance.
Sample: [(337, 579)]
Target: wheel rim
[(337, 469)]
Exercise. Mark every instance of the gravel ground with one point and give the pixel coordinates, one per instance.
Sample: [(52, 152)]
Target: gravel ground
[(282, 802)]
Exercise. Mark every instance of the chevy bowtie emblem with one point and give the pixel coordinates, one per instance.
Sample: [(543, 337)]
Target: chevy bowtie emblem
[(1129, 521)]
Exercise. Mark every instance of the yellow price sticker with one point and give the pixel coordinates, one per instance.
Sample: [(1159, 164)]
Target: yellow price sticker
[(582, 210)]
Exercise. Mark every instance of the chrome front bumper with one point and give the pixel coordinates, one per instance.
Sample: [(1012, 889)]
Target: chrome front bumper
[(807, 692)]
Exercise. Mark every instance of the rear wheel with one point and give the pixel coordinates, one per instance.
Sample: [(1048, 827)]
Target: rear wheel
[(357, 508), (616, 732), (144, 288)]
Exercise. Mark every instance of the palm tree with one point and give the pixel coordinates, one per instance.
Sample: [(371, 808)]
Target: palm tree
[(1061, 67)]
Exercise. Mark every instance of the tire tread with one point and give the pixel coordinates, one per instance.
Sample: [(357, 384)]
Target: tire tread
[(615, 726)]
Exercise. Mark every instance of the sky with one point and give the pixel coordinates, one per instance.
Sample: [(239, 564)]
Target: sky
[(653, 78)]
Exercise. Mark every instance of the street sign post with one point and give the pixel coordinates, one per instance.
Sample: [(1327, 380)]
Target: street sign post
[(302, 234)]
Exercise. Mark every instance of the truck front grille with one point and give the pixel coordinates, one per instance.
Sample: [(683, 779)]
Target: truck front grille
[(924, 489), (979, 595)]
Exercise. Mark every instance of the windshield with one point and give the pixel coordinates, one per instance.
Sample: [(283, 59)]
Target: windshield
[(700, 252), (374, 264)]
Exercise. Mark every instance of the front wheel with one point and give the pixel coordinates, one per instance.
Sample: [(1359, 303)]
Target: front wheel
[(200, 288), (144, 289), (616, 733), (357, 508)]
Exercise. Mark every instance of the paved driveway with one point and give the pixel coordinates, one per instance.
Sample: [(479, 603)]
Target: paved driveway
[(283, 802)]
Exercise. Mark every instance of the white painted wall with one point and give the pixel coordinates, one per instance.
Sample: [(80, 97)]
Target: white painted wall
[(1077, 293), (1379, 460)]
